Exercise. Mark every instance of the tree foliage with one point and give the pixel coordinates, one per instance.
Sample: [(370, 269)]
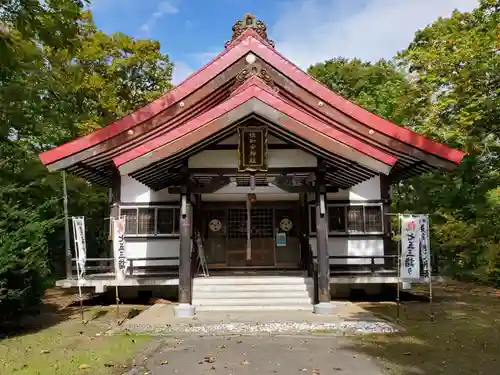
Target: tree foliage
[(446, 85), (60, 77)]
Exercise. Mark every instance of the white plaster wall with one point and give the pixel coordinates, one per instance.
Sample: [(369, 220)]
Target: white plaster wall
[(233, 193), (229, 159), (132, 191), (372, 245), (233, 140), (367, 190), (152, 248)]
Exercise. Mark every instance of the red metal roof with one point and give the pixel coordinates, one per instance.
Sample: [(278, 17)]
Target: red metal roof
[(249, 41), (265, 95)]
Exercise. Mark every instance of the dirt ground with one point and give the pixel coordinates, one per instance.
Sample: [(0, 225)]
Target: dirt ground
[(57, 341), (463, 339)]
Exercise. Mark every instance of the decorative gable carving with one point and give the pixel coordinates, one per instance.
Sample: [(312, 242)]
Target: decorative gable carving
[(249, 21)]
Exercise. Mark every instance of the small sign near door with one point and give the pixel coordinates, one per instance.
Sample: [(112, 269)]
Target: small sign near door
[(281, 239)]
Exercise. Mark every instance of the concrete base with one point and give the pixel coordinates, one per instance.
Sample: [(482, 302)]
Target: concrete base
[(323, 308), (405, 285), (184, 310)]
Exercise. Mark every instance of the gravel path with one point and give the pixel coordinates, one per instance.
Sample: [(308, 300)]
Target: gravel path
[(341, 328)]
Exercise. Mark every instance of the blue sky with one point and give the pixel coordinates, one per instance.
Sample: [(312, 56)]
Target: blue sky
[(192, 32)]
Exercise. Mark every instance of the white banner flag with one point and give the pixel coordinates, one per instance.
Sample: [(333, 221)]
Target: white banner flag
[(80, 245), (425, 247), (410, 255), (119, 248)]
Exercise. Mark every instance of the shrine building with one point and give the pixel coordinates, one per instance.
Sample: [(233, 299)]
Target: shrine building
[(253, 173)]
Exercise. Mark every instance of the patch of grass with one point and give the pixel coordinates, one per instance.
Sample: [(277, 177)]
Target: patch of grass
[(65, 346), (464, 339)]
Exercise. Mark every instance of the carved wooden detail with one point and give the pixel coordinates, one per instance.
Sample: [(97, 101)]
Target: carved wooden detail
[(250, 22), (246, 73)]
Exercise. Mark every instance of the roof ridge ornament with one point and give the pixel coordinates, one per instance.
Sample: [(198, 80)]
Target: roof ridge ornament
[(249, 21)]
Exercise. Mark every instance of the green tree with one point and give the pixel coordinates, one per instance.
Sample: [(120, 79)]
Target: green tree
[(446, 84), (379, 87), (456, 61), (60, 77)]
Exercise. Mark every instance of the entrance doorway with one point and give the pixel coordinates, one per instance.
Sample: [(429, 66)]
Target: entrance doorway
[(274, 235)]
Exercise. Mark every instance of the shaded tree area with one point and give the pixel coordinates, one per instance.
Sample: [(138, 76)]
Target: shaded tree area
[(446, 85), (60, 77)]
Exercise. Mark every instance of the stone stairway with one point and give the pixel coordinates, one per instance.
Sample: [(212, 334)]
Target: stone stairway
[(253, 293)]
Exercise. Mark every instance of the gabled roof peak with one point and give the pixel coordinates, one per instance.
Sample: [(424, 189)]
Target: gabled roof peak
[(248, 77), (249, 22)]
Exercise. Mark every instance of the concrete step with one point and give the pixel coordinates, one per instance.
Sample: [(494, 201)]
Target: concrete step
[(253, 293), (251, 301), (306, 307), (252, 288), (254, 280), (244, 294)]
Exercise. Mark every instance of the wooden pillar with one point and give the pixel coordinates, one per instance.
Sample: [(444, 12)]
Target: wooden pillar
[(185, 248), (322, 240), (385, 195), (305, 253)]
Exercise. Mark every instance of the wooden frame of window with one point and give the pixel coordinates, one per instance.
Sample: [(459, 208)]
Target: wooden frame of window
[(155, 233), (347, 231)]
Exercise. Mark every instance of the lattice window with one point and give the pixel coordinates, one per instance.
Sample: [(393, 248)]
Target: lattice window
[(146, 221), (151, 221), (373, 219), (343, 219), (262, 222), (336, 219), (167, 221), (355, 219), (130, 220), (237, 223)]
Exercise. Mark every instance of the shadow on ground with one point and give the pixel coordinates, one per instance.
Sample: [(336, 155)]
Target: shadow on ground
[(61, 305), (463, 338)]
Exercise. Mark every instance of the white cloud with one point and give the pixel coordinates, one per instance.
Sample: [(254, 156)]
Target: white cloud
[(205, 57), (310, 31), (181, 72), (164, 8)]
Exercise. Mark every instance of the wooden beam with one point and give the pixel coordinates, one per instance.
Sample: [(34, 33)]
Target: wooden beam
[(234, 171), (216, 183)]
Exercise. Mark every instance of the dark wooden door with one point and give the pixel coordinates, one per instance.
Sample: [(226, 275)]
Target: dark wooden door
[(226, 235)]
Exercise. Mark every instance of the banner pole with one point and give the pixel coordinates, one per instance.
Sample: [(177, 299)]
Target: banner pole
[(117, 306), (78, 272), (429, 262), (399, 267), (117, 270)]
